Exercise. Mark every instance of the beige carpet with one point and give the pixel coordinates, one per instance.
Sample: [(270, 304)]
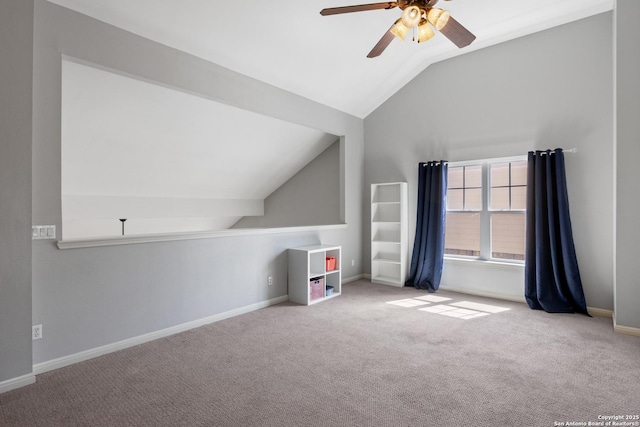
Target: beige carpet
[(375, 356)]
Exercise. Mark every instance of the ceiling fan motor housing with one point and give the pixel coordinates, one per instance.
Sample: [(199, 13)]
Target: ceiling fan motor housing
[(416, 14)]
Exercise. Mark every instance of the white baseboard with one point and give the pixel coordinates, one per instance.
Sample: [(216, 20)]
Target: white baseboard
[(493, 295), (17, 382), (61, 362), (600, 312), (353, 278), (130, 342), (627, 330)]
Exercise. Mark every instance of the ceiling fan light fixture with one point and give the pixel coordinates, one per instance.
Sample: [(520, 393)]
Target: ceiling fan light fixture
[(411, 16), (438, 17), (399, 30), (419, 16), (424, 31)]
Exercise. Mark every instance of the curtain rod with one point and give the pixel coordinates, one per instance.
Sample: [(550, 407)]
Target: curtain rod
[(569, 150), (437, 162)]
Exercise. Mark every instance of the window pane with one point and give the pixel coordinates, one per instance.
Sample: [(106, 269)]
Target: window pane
[(473, 199), (462, 236), (519, 198), (519, 173), (454, 200), (455, 177), (500, 198), (508, 235), (499, 174), (473, 176)]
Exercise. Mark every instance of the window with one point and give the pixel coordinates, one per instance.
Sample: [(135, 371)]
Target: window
[(464, 204), (507, 205), (486, 202)]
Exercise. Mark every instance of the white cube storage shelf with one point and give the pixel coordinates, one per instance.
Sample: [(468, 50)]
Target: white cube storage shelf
[(307, 265), (389, 230)]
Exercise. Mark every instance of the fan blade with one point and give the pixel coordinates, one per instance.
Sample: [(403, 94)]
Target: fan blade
[(458, 34), (358, 8), (382, 44)]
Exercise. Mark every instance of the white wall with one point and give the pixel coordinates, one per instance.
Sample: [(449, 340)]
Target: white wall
[(16, 57), (311, 197), (86, 298), (167, 160), (627, 301), (546, 90)]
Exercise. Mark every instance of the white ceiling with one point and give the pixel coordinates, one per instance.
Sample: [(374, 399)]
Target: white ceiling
[(126, 137), (288, 44)]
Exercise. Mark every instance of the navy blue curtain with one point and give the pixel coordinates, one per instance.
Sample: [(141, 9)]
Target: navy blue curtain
[(552, 278), (428, 246)]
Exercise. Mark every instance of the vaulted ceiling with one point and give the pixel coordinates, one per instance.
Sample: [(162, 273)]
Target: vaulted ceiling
[(114, 122), (288, 44)]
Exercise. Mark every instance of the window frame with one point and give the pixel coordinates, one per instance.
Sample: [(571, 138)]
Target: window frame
[(486, 212)]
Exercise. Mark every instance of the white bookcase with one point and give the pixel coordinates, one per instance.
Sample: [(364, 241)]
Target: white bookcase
[(389, 231), (309, 279)]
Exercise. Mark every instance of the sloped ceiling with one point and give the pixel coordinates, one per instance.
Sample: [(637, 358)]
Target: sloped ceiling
[(167, 160), (285, 43), (288, 44), (127, 137)]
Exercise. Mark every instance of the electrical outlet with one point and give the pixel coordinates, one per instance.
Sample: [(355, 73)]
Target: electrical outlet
[(353, 263), (37, 332), (270, 280)]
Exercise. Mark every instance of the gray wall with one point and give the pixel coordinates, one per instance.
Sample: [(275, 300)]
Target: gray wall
[(627, 302), (546, 90), (16, 67), (87, 298), (310, 197)]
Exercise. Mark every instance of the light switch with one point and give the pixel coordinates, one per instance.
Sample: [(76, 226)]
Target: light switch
[(43, 232)]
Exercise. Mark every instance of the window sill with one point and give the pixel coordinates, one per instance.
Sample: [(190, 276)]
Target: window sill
[(472, 262), (171, 237)]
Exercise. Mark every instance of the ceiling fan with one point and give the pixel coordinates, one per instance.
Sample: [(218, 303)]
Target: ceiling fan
[(417, 15)]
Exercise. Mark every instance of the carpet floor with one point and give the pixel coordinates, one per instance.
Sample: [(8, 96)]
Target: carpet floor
[(374, 356)]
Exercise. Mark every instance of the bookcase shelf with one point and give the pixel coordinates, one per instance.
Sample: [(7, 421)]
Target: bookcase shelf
[(389, 231), (310, 281)]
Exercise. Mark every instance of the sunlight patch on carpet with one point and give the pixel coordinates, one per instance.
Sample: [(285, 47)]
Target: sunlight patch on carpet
[(433, 298), (447, 310), (409, 302), (482, 307), (461, 310)]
